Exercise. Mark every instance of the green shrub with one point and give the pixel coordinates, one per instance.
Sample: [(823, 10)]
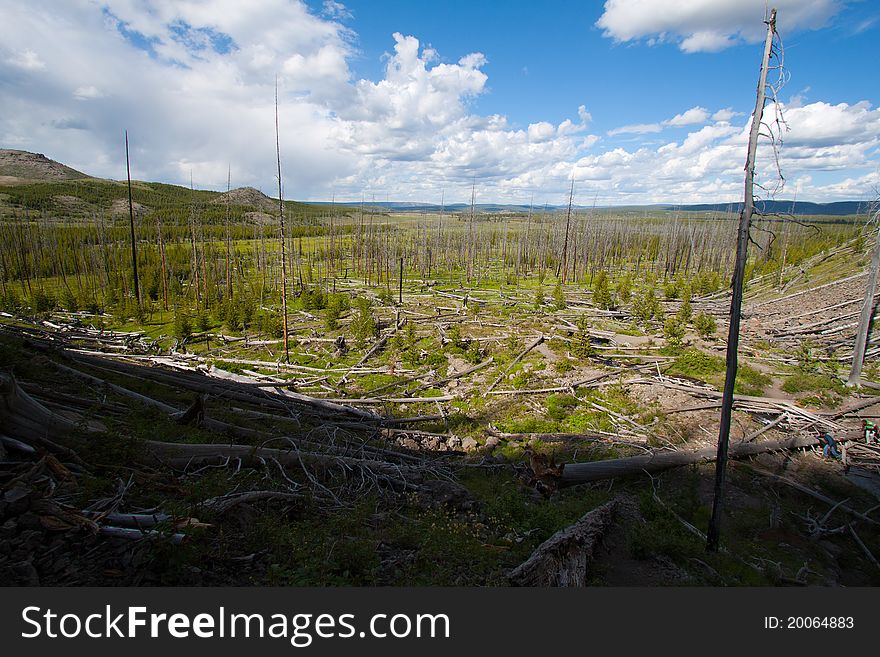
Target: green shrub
[(312, 299), (811, 382), (602, 291), (385, 297), (685, 312), (696, 363), (70, 302), (182, 327), (558, 296), (336, 304), (42, 301), (674, 332), (705, 325), (10, 301), (363, 325), (203, 322), (806, 359), (646, 307), (624, 289), (581, 345)]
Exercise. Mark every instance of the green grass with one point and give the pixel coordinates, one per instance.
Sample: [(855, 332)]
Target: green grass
[(750, 381), (807, 382)]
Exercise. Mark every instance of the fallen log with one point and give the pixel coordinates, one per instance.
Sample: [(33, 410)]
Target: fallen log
[(564, 558), (194, 413), (579, 473), (521, 355)]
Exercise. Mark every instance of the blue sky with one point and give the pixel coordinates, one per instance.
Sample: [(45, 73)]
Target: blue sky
[(641, 101)]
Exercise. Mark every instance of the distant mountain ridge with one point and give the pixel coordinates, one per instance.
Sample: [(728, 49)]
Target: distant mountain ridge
[(837, 208), (19, 167)]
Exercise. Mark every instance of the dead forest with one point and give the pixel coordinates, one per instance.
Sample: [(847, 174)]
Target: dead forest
[(465, 397)]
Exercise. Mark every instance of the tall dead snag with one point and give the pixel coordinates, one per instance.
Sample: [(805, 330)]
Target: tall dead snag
[(563, 262), (283, 248), (134, 259), (228, 239), (855, 374), (742, 244)]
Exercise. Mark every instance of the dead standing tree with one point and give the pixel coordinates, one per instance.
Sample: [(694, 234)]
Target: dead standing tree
[(855, 374), (562, 265), (283, 249), (742, 243), (134, 260)]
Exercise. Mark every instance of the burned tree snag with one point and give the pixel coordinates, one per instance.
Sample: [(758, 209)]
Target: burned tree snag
[(742, 244)]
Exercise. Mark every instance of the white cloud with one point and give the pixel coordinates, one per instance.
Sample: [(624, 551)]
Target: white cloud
[(707, 25), (692, 116), (193, 82), (822, 142), (636, 129), (336, 10), (725, 114), (27, 60), (87, 92), (542, 131)]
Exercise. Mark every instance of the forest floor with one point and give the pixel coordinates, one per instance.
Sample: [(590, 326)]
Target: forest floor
[(431, 460)]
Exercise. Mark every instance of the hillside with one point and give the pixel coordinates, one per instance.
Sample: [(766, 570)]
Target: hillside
[(21, 166), (246, 196)]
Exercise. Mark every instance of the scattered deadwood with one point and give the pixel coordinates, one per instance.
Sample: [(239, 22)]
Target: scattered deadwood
[(562, 437), (455, 376), (809, 491), (564, 559), (193, 415), (23, 416), (224, 503), (578, 473), (521, 355)]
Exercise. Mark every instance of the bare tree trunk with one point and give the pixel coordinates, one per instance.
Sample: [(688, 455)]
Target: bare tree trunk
[(228, 241), (164, 272), (855, 374), (742, 244), (134, 260), (563, 263), (283, 249)]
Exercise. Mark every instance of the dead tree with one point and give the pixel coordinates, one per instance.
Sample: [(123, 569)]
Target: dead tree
[(855, 374), (563, 262), (134, 260), (742, 243), (283, 249)]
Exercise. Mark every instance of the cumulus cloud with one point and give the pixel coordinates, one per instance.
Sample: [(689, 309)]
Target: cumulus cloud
[(725, 114), (693, 116), (193, 82), (707, 25), (707, 165)]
